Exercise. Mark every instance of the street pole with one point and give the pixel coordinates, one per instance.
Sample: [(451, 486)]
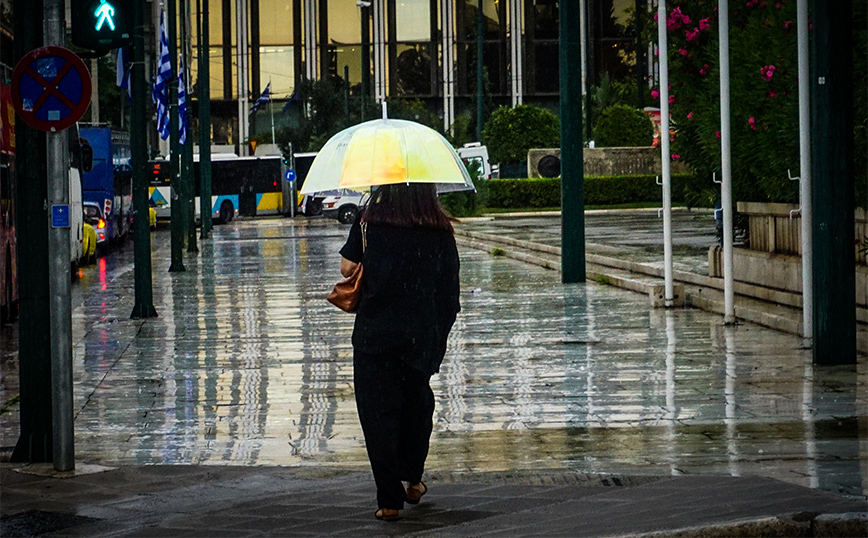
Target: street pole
[(177, 202), (572, 164), (663, 47), (480, 77), (832, 121), (34, 343), (144, 292), (187, 153), (805, 181), (364, 9), (204, 87), (59, 283), (725, 164)]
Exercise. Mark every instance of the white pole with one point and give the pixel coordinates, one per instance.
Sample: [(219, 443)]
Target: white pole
[(664, 153), (239, 76), (245, 81), (805, 183), (271, 108), (726, 165)]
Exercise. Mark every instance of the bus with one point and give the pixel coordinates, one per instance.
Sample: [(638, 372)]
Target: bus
[(109, 182), (240, 186)]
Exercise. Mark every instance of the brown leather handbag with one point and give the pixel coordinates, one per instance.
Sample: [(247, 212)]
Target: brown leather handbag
[(346, 293)]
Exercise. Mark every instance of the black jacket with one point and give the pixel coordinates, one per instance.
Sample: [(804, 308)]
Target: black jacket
[(409, 291)]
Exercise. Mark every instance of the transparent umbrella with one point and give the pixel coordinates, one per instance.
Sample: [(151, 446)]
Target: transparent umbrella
[(386, 152)]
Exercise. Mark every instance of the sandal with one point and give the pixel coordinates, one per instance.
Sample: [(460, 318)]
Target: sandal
[(387, 514), (415, 492)]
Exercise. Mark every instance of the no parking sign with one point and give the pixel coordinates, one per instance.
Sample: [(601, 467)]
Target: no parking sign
[(50, 88)]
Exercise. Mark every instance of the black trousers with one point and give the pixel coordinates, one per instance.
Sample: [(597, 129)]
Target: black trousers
[(396, 409)]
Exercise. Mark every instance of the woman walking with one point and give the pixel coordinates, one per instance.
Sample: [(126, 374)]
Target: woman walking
[(405, 243)]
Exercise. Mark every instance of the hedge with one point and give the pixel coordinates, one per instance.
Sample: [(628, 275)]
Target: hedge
[(546, 192)]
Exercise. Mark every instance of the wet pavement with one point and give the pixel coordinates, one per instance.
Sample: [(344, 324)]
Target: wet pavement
[(247, 365)]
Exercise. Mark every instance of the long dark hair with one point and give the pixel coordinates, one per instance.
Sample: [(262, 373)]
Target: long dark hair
[(406, 205)]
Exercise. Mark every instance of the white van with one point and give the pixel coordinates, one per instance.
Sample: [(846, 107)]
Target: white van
[(477, 153), (76, 219)]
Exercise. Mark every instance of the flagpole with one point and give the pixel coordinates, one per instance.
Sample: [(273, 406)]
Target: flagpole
[(271, 108)]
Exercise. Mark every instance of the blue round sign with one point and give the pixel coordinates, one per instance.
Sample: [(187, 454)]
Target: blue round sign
[(50, 88), (290, 175)]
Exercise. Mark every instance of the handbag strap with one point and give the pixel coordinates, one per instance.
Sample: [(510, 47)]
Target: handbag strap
[(364, 236)]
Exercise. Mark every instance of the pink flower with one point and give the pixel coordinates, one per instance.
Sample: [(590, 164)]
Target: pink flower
[(690, 115), (692, 35), (788, 25), (683, 52), (704, 24), (671, 99), (675, 156), (705, 69), (655, 94), (772, 94), (752, 123), (767, 72), (717, 134), (676, 19)]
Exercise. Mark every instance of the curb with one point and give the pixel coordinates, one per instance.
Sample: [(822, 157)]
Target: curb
[(853, 524)]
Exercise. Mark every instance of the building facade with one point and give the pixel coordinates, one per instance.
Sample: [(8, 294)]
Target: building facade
[(420, 49)]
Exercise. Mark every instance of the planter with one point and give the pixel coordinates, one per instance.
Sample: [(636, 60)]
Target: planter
[(609, 161), (773, 259)]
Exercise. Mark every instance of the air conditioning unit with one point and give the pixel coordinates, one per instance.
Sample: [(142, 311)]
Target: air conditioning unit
[(544, 162)]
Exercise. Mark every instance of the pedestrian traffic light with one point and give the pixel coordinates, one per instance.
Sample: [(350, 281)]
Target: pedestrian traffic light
[(102, 25)]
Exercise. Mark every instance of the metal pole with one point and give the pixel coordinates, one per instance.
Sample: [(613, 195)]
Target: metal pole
[(34, 443), (572, 164), (177, 202), (244, 75), (663, 46), (480, 78), (832, 123), (59, 281), (364, 9), (144, 307), (805, 174), (204, 87), (94, 93), (187, 156), (726, 165)]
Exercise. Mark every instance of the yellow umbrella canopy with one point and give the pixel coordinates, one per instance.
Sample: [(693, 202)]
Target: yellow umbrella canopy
[(385, 152)]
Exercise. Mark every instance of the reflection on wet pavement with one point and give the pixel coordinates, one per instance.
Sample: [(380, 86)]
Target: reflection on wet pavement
[(247, 364)]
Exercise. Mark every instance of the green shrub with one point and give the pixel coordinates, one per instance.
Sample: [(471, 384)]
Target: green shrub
[(621, 126), (511, 132), (546, 192)]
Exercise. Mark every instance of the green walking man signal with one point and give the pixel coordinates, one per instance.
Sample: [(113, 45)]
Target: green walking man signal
[(102, 25), (105, 12)]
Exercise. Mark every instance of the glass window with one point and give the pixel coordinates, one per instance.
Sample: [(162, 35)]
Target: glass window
[(546, 68), (276, 66), (275, 22), (491, 18), (413, 65), (545, 19), (345, 23), (413, 20), (351, 56)]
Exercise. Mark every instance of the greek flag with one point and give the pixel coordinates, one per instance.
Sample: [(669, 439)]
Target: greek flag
[(123, 68), (183, 120), (292, 99), (264, 97), (161, 85)]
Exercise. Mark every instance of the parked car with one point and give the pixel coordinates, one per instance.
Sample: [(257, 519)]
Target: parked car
[(343, 206), (93, 215), (88, 244)]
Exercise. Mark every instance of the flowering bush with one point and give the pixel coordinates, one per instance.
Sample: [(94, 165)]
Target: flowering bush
[(763, 90)]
